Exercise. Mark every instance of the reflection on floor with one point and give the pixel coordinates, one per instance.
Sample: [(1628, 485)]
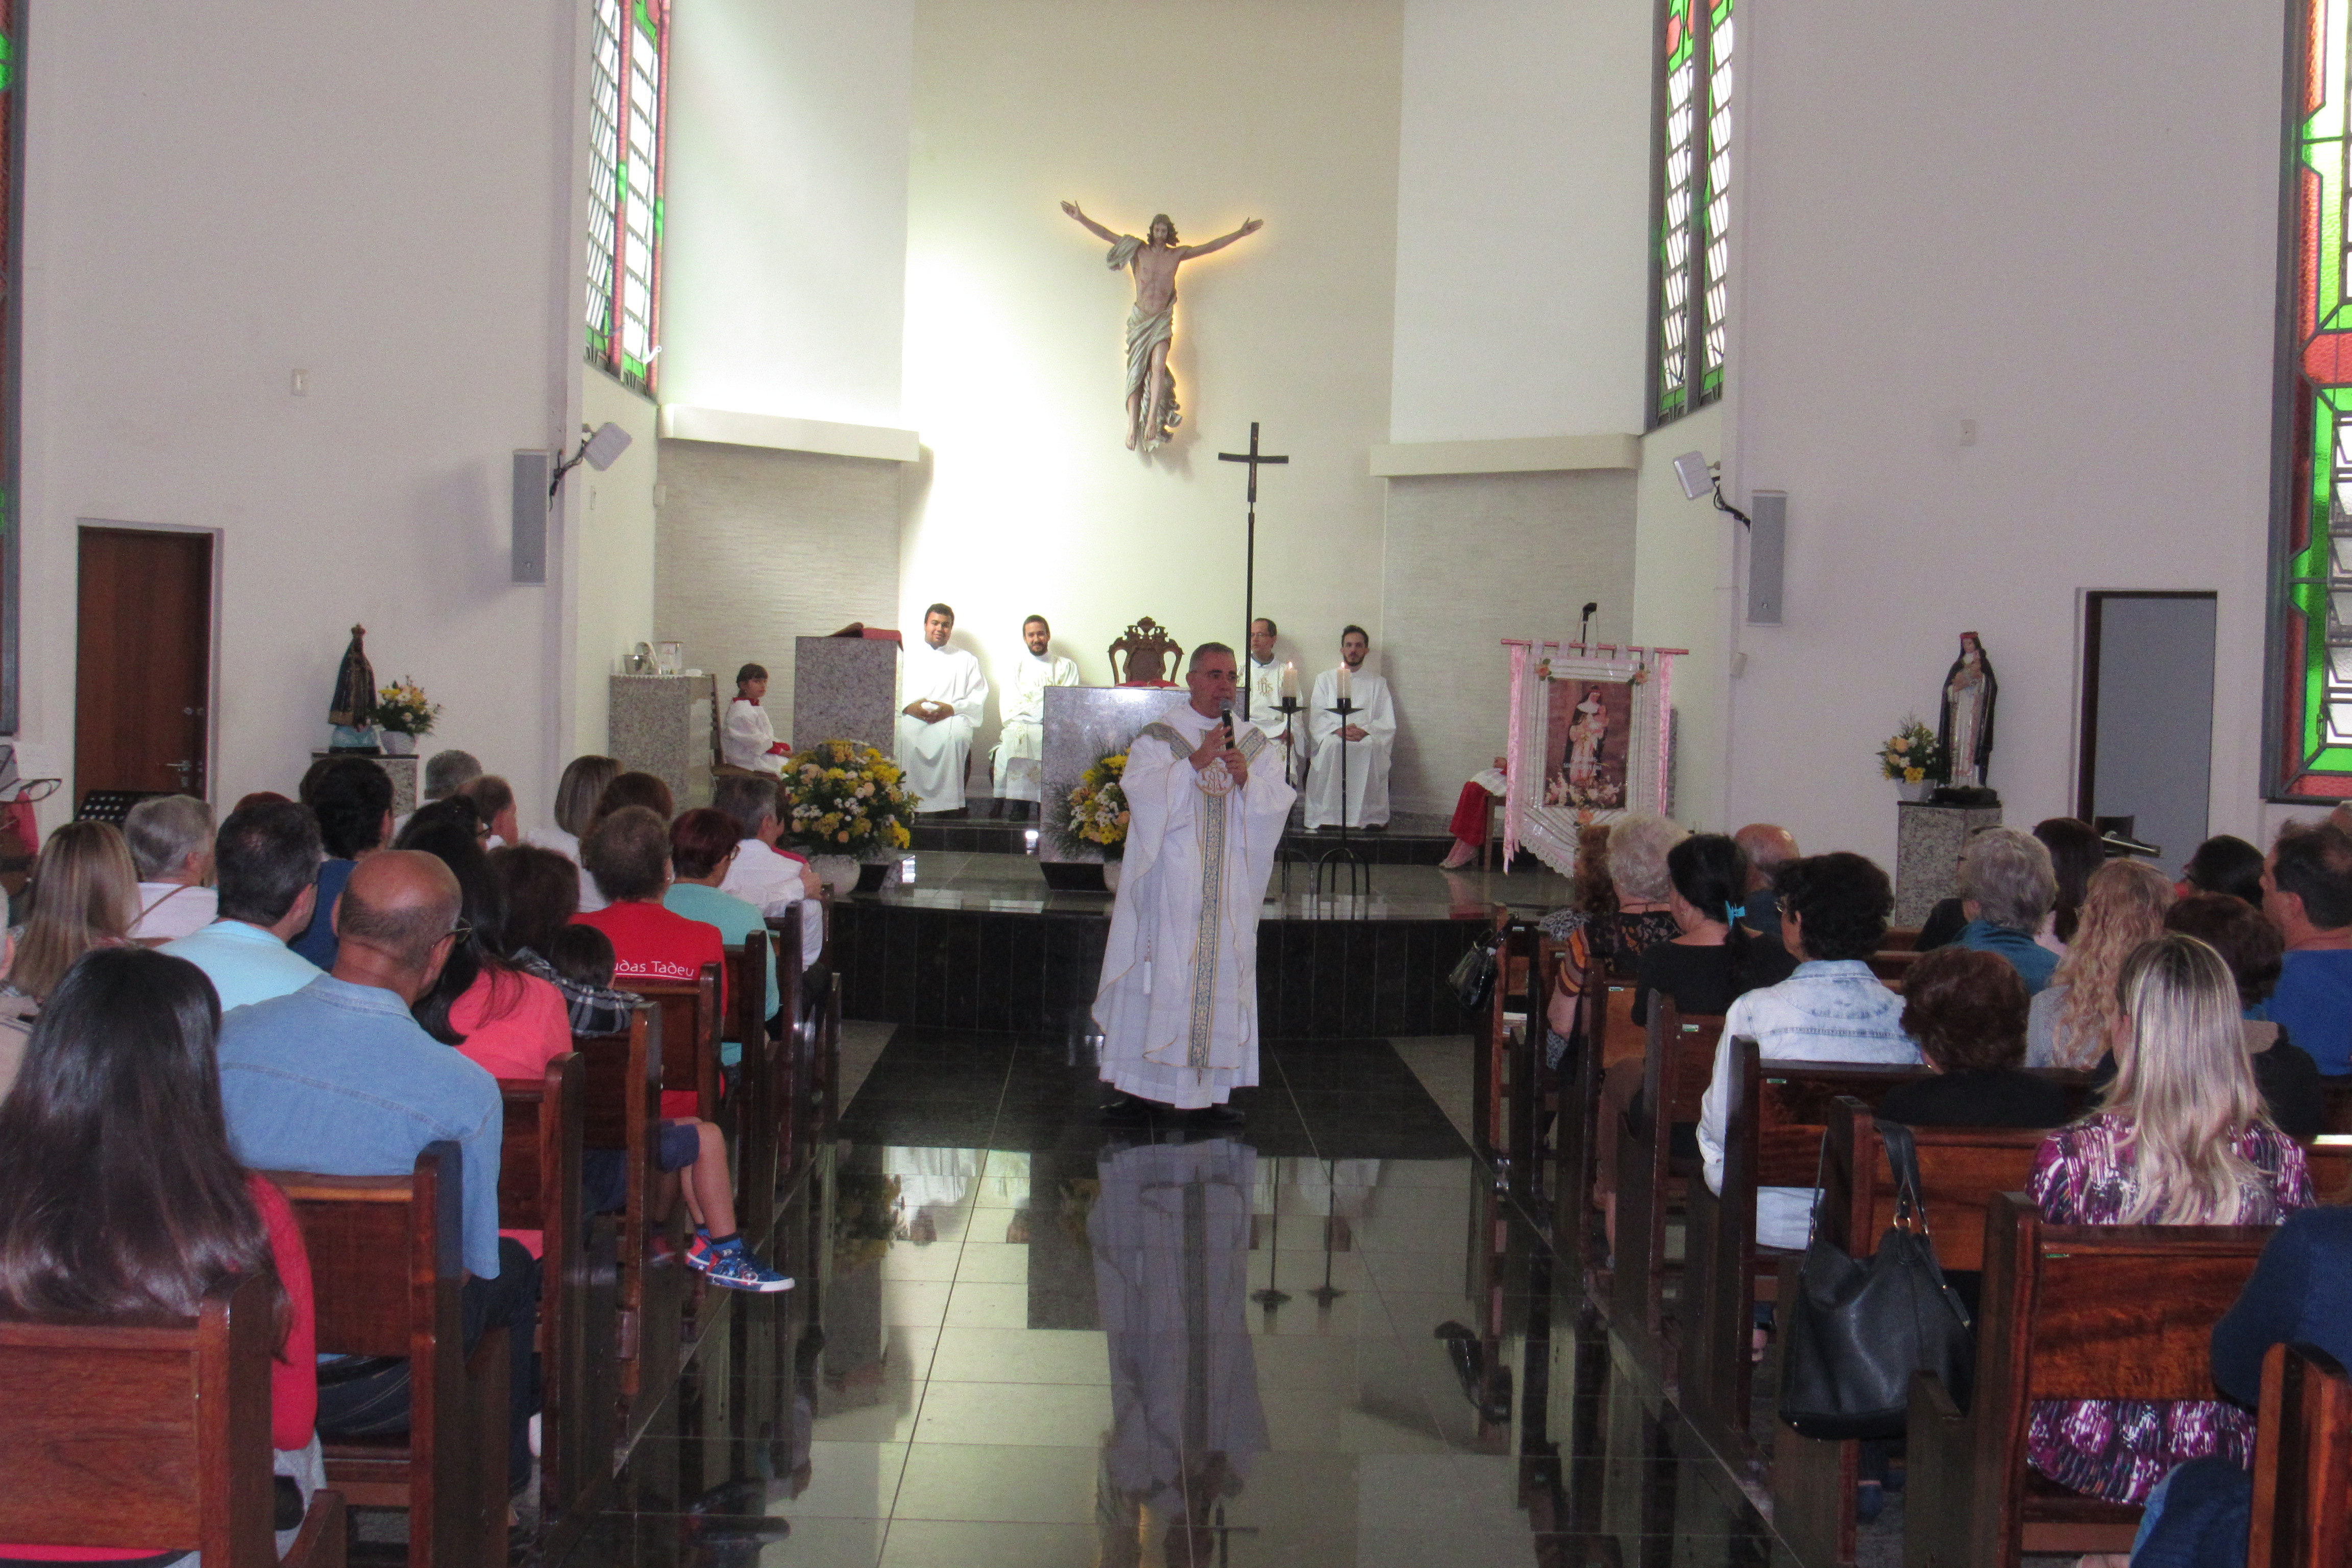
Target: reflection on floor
[(1023, 1337)]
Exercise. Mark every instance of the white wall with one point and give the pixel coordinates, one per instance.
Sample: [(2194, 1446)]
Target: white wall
[(612, 606), (1212, 112), (1523, 205), (784, 250), (383, 196), (2060, 222), (1683, 598)]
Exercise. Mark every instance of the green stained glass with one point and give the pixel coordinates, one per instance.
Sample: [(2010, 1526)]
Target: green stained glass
[(627, 54), (1690, 246)]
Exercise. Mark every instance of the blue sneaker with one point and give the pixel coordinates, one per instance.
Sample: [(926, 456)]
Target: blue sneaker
[(699, 1252), (734, 1269)]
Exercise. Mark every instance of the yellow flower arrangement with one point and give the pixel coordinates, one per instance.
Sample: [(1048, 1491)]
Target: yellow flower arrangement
[(402, 707), (1095, 811), (1912, 754), (844, 797)]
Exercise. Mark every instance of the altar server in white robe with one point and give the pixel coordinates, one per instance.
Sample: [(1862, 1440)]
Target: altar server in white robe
[(1171, 1238), (750, 740), (946, 694), (1371, 735), (1177, 1005), (1266, 685), (1021, 741)]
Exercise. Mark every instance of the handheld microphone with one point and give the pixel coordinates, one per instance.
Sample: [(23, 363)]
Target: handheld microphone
[(1225, 716)]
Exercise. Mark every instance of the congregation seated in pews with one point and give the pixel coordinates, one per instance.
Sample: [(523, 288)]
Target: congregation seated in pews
[(416, 1125)]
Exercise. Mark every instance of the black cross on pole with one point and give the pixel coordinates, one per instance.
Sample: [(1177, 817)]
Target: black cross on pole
[(1254, 458)]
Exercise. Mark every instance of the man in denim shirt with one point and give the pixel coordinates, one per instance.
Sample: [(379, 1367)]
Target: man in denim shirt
[(338, 1080), (1833, 911)]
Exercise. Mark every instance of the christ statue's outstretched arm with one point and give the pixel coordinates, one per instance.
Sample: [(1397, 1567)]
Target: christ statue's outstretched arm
[(1223, 240), (1090, 226)]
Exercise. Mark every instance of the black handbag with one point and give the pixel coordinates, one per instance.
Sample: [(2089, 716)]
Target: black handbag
[(1473, 978), (1858, 1329)]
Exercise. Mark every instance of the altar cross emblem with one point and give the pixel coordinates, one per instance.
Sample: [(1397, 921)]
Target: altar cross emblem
[(1255, 459)]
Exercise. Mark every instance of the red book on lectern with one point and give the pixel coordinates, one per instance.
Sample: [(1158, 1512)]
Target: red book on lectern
[(872, 634)]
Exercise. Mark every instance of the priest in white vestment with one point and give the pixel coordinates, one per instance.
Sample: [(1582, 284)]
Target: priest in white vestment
[(946, 694), (1370, 738), (1177, 1005), (1171, 1238), (1266, 679), (1021, 741), (749, 740)]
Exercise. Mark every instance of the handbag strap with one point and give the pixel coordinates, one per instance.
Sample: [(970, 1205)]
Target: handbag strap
[(1902, 1157)]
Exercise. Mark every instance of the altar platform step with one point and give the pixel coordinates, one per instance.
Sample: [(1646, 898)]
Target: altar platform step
[(1409, 839), (979, 941)]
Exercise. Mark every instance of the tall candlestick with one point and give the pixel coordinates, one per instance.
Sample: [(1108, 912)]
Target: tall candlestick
[(1290, 681), (1347, 683)]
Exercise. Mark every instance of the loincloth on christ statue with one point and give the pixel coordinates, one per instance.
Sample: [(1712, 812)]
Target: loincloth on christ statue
[(1148, 330)]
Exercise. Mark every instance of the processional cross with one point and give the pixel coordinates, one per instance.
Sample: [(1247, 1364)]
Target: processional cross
[(1255, 459)]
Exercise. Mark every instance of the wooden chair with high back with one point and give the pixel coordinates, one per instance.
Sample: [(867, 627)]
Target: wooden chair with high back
[(539, 1190), (152, 1435), (1676, 1066), (1774, 1118), (2302, 1463), (620, 1108), (385, 1269), (1961, 1170), (1143, 654), (2068, 1314)]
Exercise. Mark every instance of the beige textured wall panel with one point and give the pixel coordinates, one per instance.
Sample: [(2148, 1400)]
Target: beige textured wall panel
[(1473, 559), (758, 547)]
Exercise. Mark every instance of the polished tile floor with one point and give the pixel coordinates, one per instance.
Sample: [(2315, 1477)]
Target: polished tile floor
[(1023, 1337)]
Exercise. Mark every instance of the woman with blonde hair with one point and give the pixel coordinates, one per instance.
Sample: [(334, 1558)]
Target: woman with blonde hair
[(85, 894), (2180, 1139), (2075, 1019)]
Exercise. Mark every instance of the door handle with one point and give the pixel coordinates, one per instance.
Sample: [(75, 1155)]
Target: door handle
[(183, 770)]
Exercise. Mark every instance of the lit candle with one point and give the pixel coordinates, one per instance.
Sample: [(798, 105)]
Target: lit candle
[(1290, 681), (1347, 684)]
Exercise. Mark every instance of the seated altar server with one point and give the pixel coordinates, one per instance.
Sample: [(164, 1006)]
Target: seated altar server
[(1370, 734), (750, 740), (1020, 745), (1267, 680), (946, 694)]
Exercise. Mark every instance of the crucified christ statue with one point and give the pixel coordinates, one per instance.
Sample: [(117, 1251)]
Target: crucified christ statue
[(1152, 413)]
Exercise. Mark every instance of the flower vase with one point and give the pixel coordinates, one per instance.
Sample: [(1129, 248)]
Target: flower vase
[(396, 744), (841, 873), (873, 875), (1110, 876), (1915, 793)]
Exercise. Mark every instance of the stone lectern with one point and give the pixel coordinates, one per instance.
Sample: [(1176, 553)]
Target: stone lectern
[(846, 688), (665, 725), (1927, 843)]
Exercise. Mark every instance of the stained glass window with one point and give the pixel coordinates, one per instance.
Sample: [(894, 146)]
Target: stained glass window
[(1691, 247), (2311, 618), (628, 55), (11, 317)]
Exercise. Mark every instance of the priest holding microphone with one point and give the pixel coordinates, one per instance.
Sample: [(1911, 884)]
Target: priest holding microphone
[(1177, 1004)]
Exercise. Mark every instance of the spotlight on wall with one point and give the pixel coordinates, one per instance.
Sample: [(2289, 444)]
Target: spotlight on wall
[(598, 451), (1699, 478)]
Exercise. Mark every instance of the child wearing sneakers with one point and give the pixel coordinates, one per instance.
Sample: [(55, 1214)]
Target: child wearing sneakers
[(685, 1146)]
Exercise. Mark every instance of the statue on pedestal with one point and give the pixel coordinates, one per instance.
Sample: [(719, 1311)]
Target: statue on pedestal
[(1151, 416), (352, 711), (1964, 730)]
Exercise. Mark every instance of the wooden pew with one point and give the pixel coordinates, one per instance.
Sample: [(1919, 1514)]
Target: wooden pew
[(1772, 1138), (1961, 1170), (2302, 1463), (2068, 1314), (756, 1115), (690, 1023), (808, 1026), (385, 1267), (1893, 965), (2336, 1094), (2330, 1157), (153, 1436), (1679, 1061), (539, 1189), (620, 1108), (1490, 1084)]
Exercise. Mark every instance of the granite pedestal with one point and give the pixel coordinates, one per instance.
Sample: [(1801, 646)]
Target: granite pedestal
[(401, 771), (846, 688), (1927, 843), (666, 725), (1084, 724)]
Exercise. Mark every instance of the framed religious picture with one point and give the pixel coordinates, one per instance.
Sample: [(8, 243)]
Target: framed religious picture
[(1587, 741), (1591, 738)]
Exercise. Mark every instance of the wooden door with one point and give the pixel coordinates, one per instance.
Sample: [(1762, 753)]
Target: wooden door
[(143, 681)]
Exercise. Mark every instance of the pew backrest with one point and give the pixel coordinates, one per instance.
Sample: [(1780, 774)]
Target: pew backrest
[(155, 1435), (746, 989), (1960, 1171), (690, 1024), (2330, 1158), (2302, 1463)]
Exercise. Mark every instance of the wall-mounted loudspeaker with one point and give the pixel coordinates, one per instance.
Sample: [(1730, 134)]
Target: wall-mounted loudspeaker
[(1768, 534), (534, 472)]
